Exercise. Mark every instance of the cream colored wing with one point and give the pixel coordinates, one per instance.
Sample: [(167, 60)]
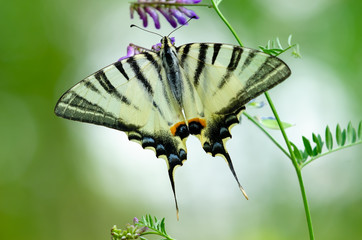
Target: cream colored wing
[(130, 96), (226, 77)]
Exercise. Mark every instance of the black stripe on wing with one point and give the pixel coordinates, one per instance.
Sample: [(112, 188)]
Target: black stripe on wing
[(150, 57), (106, 84), (139, 75), (120, 68), (217, 47), (272, 72), (200, 63), (233, 63), (91, 86), (235, 58), (251, 54), (185, 51), (264, 71), (74, 107), (108, 87), (77, 103)]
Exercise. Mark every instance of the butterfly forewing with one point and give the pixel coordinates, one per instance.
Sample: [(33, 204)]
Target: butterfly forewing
[(227, 77), (131, 96), (120, 93)]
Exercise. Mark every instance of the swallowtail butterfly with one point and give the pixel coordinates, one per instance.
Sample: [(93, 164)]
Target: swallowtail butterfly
[(159, 98)]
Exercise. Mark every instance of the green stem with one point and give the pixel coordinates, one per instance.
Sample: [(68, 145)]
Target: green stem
[(267, 133), (296, 167), (305, 203), (271, 104), (157, 233), (226, 22)]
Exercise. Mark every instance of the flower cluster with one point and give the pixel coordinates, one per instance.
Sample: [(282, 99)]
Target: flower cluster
[(173, 10), (131, 231)]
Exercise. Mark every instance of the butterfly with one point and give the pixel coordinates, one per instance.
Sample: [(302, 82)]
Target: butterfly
[(159, 98)]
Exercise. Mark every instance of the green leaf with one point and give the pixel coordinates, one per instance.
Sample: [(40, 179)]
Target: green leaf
[(318, 147), (297, 153), (338, 135), (320, 141), (344, 137), (304, 156), (351, 133), (329, 139), (150, 220), (314, 152), (307, 146), (359, 135), (162, 224)]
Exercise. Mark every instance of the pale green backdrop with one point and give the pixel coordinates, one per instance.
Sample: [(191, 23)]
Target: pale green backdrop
[(66, 180)]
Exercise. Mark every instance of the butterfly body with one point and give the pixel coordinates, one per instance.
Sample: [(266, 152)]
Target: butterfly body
[(171, 65), (160, 98)]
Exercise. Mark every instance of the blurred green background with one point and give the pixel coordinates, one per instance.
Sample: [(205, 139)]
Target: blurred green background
[(66, 180)]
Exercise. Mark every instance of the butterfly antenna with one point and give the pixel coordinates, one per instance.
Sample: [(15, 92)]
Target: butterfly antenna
[(132, 25), (180, 26)]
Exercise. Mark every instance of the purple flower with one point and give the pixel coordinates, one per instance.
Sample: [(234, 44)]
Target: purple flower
[(189, 13), (172, 10), (168, 16), (133, 49), (152, 12), (181, 18), (143, 16)]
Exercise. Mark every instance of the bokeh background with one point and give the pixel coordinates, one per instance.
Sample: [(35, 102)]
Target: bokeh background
[(67, 180)]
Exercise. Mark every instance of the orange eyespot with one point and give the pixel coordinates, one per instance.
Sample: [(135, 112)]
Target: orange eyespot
[(175, 126), (200, 120)]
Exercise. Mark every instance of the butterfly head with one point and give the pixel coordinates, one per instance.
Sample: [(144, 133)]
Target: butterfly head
[(168, 51), (167, 42)]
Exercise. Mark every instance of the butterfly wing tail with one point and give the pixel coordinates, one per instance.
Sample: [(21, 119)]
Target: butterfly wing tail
[(215, 134), (172, 181), (225, 154)]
